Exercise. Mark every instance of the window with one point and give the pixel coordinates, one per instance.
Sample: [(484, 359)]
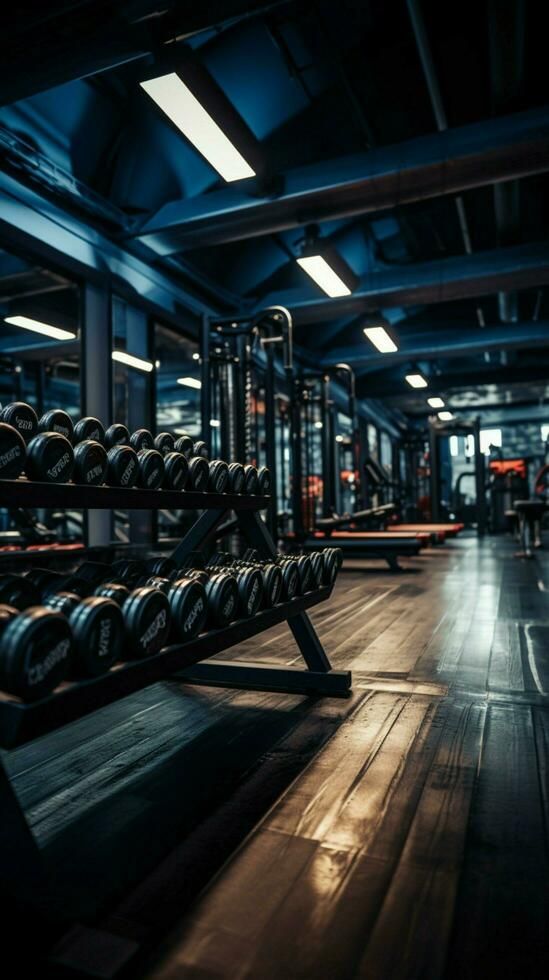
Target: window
[(454, 446), (490, 437), (544, 433)]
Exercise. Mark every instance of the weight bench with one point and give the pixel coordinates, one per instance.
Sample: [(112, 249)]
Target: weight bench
[(382, 545), (439, 531), (380, 514)]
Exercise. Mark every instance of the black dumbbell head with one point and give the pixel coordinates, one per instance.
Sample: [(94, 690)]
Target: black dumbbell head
[(128, 570), (50, 458), (94, 572), (184, 444), (147, 621), (317, 568), (67, 583), (236, 481), (151, 469), (250, 591), (200, 449), (97, 628), (250, 479), (222, 595), (163, 567), (18, 591), (90, 463), (113, 590), (36, 650), (22, 417), (199, 473), (189, 607), (176, 471), (290, 578), (272, 584), (13, 452), (56, 420), (218, 476), (88, 428), (164, 442), (264, 480), (122, 467), (116, 435), (141, 439), (331, 563)]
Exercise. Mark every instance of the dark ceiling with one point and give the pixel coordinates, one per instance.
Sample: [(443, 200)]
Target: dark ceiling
[(416, 136)]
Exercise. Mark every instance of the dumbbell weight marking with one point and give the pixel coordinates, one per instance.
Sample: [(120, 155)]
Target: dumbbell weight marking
[(218, 476), (122, 466), (164, 442), (50, 457), (56, 420), (151, 469), (188, 604), (141, 439), (236, 478), (21, 417), (88, 428), (116, 435), (176, 471), (35, 650), (98, 631), (90, 463)]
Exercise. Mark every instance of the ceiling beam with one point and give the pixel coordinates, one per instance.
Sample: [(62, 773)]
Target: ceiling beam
[(58, 45), (439, 281), (430, 166)]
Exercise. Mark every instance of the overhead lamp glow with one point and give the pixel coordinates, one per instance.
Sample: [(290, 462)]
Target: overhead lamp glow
[(435, 402), (380, 339), (27, 323), (318, 425), (131, 361), (446, 416), (190, 382), (215, 423), (180, 105), (322, 273), (196, 356), (416, 380), (339, 438)]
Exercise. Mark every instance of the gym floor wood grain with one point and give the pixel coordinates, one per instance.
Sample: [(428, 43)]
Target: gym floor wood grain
[(402, 833)]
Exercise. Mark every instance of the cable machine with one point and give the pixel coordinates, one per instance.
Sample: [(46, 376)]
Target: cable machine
[(440, 468), (229, 349)]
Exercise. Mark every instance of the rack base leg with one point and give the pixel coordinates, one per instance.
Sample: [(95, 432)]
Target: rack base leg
[(260, 677)]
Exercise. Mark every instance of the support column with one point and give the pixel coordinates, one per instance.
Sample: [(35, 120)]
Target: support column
[(96, 382)]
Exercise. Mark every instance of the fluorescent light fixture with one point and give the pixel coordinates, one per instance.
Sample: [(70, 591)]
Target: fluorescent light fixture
[(380, 339), (215, 423), (180, 105), (196, 356), (445, 416), (339, 438), (416, 380), (190, 382), (322, 273), (131, 361), (27, 323), (318, 425), (436, 402)]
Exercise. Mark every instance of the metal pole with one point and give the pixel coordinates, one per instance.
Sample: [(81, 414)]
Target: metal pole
[(479, 481), (270, 439), (96, 385), (205, 403), (434, 465)]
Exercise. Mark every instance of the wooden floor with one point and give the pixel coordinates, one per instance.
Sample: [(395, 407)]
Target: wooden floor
[(400, 833)]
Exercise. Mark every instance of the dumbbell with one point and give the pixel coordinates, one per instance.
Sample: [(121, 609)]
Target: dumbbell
[(18, 591), (236, 478), (249, 581), (56, 420), (50, 458), (332, 561), (185, 444), (35, 651), (302, 563), (116, 435), (176, 471), (199, 473), (88, 428), (122, 465), (97, 628), (21, 417), (141, 440), (164, 442), (151, 471), (288, 568), (91, 463), (13, 452), (218, 475), (316, 559), (128, 571), (147, 617), (271, 580), (188, 603), (263, 481), (47, 582), (251, 481), (221, 594)]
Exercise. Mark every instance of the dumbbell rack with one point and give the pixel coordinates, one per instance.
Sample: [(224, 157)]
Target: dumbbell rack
[(20, 867)]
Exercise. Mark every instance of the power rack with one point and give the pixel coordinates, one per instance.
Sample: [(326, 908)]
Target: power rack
[(21, 870)]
